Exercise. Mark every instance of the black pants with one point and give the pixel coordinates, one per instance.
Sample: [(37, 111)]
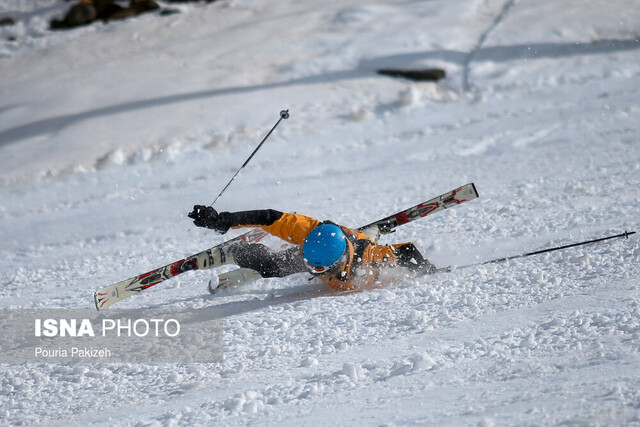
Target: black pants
[(267, 262)]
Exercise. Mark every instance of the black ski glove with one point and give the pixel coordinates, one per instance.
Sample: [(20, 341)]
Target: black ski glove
[(207, 217)]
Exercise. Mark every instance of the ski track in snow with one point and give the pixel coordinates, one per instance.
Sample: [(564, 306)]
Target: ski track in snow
[(542, 117)]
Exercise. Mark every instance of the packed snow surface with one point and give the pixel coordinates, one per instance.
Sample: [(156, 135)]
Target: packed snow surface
[(110, 133)]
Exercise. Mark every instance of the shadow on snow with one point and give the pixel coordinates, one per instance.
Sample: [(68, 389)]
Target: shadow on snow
[(366, 68)]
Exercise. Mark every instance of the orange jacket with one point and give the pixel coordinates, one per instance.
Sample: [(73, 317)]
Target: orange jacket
[(365, 256)]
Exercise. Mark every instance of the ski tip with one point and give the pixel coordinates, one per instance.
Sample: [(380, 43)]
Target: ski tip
[(103, 299), (212, 287), (219, 285), (475, 190), (99, 300)]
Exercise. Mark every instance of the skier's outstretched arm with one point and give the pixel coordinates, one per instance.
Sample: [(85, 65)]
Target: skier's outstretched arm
[(290, 227), (208, 217)]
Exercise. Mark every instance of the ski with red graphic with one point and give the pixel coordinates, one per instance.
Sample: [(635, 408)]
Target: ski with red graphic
[(210, 258), (447, 200)]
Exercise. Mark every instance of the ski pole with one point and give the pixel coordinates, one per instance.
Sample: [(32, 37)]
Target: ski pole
[(284, 114), (626, 234)]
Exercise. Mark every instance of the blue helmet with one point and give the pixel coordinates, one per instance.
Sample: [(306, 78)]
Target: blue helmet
[(324, 245)]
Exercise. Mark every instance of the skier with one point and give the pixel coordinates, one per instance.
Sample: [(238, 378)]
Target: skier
[(343, 258)]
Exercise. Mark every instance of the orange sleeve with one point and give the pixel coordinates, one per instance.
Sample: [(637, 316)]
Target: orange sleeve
[(292, 228)]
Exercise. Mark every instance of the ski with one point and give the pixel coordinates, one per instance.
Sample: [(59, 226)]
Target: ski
[(235, 277), (447, 200), (384, 226), (210, 258)]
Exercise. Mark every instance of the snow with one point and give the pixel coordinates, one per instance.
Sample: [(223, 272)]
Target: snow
[(111, 132)]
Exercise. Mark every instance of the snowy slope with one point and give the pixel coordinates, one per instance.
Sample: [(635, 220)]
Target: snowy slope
[(110, 133)]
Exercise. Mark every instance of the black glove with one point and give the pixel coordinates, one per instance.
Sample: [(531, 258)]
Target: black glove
[(207, 217)]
